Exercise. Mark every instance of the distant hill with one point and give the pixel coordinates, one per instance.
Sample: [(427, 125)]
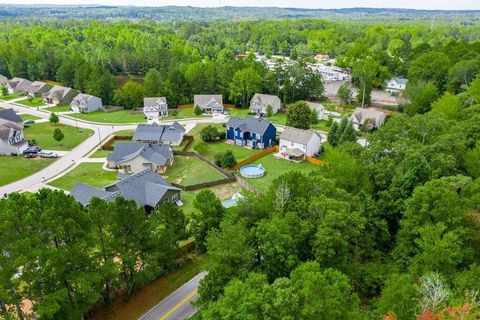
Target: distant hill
[(174, 13)]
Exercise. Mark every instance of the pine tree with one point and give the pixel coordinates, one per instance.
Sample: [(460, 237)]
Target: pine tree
[(333, 134)]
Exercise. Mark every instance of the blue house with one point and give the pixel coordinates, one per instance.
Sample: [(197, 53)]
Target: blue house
[(255, 133)]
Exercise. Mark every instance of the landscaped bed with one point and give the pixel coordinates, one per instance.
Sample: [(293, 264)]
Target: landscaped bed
[(122, 116), (15, 168), (33, 103), (191, 170), (42, 133), (88, 173)]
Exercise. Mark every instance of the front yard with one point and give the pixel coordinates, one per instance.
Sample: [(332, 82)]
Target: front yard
[(190, 170), (88, 173), (33, 102), (28, 117), (122, 116), (42, 133), (15, 168), (11, 96), (60, 108)]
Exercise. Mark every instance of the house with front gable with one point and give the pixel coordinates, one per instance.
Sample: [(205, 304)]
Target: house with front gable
[(255, 133), (37, 88), (12, 140), (85, 103), (58, 95), (18, 85), (396, 84), (297, 144), (371, 118), (209, 103), (160, 133), (260, 102), (154, 108), (3, 80)]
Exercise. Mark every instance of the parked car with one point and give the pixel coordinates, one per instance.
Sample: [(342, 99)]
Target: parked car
[(34, 149), (30, 154), (45, 154), (28, 121)]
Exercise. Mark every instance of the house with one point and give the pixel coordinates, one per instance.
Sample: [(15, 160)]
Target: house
[(256, 133), (296, 144), (160, 133), (153, 108), (137, 156), (260, 103), (18, 85), (371, 117), (59, 95), (146, 188), (12, 140), (3, 80), (319, 108), (85, 103), (396, 84), (37, 88), (209, 103)]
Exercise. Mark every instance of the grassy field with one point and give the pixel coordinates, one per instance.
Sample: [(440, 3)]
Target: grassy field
[(28, 117), (60, 108), (14, 168), (43, 135), (151, 294), (275, 168), (88, 173), (34, 103), (11, 96), (122, 116), (190, 170)]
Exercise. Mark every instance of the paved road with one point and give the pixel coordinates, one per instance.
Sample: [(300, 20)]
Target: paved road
[(177, 306)]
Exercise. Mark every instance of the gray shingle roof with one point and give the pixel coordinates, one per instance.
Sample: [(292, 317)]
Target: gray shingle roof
[(19, 84), (400, 80), (36, 86), (267, 99), (297, 135), (159, 132), (203, 100), (157, 153), (253, 125), (83, 96), (154, 101), (146, 188), (10, 115), (57, 92), (3, 80)]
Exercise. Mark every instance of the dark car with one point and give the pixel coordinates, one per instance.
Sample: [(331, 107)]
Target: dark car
[(32, 149), (30, 154)]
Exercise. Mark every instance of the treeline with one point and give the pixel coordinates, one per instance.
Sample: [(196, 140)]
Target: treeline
[(387, 231), (200, 57), (64, 259)]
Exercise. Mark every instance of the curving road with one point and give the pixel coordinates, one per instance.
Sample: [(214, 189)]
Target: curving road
[(101, 132)]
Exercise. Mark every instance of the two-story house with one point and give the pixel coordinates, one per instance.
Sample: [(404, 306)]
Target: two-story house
[(396, 84), (256, 133), (296, 144), (260, 102), (209, 103), (85, 103), (154, 108), (12, 140)]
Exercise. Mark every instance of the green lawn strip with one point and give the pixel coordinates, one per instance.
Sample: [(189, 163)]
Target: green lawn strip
[(29, 117), (60, 108), (152, 293), (88, 173), (100, 154), (42, 133), (33, 103), (15, 168), (275, 168), (122, 116), (11, 96), (190, 170), (182, 113), (129, 132)]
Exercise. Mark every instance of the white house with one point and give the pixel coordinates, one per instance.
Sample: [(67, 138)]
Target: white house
[(209, 103), (319, 108), (296, 144), (85, 103), (396, 84), (371, 117), (12, 140), (260, 103), (153, 108)]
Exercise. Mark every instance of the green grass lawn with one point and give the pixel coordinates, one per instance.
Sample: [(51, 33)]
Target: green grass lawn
[(28, 117), (60, 108), (182, 113), (100, 154), (14, 168), (275, 168), (33, 103), (11, 96), (88, 173), (122, 116), (42, 133), (190, 170)]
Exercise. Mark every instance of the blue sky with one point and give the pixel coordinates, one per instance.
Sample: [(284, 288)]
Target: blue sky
[(415, 4)]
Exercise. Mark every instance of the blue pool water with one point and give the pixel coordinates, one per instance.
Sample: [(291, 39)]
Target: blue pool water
[(252, 171)]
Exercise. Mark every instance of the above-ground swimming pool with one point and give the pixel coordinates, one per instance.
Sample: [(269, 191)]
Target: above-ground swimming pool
[(252, 171)]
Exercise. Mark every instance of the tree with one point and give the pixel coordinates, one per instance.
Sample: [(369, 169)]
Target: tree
[(171, 216), (421, 96), (461, 74), (3, 91), (197, 110), (152, 83), (244, 84), (333, 134), (269, 111), (472, 159), (430, 66), (448, 104), (130, 95), (209, 133), (345, 94), (58, 135), (349, 134), (101, 83), (54, 118), (225, 159), (209, 212), (400, 296), (299, 115)]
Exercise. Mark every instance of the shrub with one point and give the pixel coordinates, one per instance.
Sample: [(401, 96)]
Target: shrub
[(209, 133), (197, 111), (54, 118), (225, 160)]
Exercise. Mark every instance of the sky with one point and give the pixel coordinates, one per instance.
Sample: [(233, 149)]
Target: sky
[(324, 4)]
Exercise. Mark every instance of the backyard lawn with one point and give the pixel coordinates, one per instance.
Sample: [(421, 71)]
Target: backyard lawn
[(42, 133), (60, 108), (15, 168), (88, 173), (275, 168), (11, 96), (34, 103), (122, 116), (190, 170)]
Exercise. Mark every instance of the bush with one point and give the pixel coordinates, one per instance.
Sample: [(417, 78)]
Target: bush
[(197, 111), (54, 118), (225, 160), (210, 133)]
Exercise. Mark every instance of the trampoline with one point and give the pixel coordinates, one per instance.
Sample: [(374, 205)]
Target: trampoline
[(251, 171)]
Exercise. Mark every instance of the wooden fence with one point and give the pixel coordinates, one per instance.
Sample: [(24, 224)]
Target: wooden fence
[(189, 140), (108, 145), (314, 161), (248, 186), (255, 157), (226, 173)]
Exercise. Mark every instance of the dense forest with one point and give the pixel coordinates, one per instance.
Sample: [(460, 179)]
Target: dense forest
[(387, 231)]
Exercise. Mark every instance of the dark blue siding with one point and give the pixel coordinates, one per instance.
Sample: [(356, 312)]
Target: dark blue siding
[(230, 133)]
